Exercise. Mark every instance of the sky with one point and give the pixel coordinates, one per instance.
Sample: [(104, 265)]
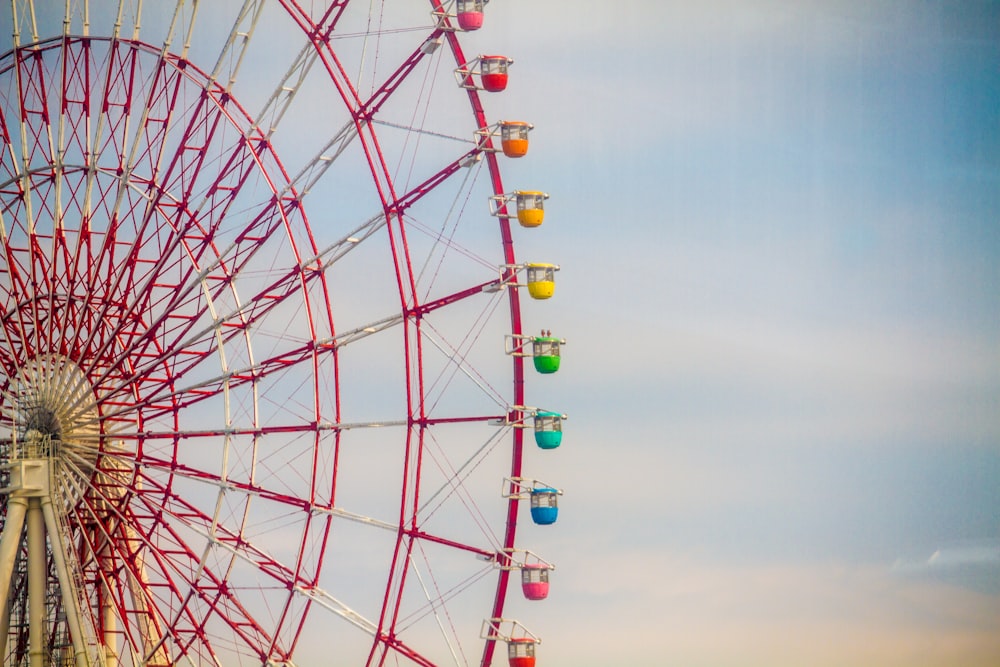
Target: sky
[(779, 232), (778, 226)]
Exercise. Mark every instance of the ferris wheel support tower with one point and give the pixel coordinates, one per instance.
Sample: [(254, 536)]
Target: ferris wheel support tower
[(30, 506)]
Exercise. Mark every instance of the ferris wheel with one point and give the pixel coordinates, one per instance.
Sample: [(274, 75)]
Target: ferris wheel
[(264, 376)]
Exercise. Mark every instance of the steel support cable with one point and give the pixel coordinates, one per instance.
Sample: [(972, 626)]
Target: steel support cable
[(416, 615), (450, 237), (458, 362), (414, 223), (457, 357), (146, 599), (196, 391), (454, 482), (433, 607), (423, 93), (312, 592)]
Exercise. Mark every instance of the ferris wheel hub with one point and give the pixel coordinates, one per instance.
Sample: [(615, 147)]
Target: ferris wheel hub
[(55, 416)]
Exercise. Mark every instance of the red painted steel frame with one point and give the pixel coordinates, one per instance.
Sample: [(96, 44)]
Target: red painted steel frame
[(141, 334), (363, 111), (112, 288)]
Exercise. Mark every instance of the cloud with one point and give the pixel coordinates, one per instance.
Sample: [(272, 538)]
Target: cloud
[(975, 566)]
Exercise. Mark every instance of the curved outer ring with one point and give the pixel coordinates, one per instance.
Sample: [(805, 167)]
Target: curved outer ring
[(319, 32)]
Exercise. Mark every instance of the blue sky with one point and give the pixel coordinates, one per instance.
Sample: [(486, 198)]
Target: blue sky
[(779, 226)]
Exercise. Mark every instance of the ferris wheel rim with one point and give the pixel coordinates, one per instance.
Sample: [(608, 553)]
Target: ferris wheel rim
[(411, 305)]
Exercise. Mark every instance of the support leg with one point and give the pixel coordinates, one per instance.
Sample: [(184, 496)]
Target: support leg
[(4, 628), (68, 586), (109, 619), (110, 640), (10, 541), (149, 623), (37, 575)]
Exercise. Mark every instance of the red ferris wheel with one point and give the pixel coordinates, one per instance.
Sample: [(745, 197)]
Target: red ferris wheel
[(257, 279)]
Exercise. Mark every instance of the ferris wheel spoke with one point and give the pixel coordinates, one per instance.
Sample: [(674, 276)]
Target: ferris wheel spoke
[(218, 597), (182, 23), (427, 307), (274, 429), (23, 15), (281, 98), (74, 110), (332, 150), (70, 248), (16, 335), (323, 599), (456, 356), (173, 199), (430, 537), (338, 249), (129, 604), (105, 201), (176, 187), (123, 81), (312, 173), (133, 597), (178, 332), (36, 150), (187, 622), (118, 199), (437, 598), (415, 194), (390, 642), (131, 541), (33, 86), (227, 264), (255, 490), (167, 294), (428, 46), (240, 547), (317, 30), (176, 561), (235, 541), (222, 485), (9, 160), (164, 398), (141, 161), (235, 544), (234, 50)]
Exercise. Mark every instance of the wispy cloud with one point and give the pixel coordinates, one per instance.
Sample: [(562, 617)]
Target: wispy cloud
[(973, 565)]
